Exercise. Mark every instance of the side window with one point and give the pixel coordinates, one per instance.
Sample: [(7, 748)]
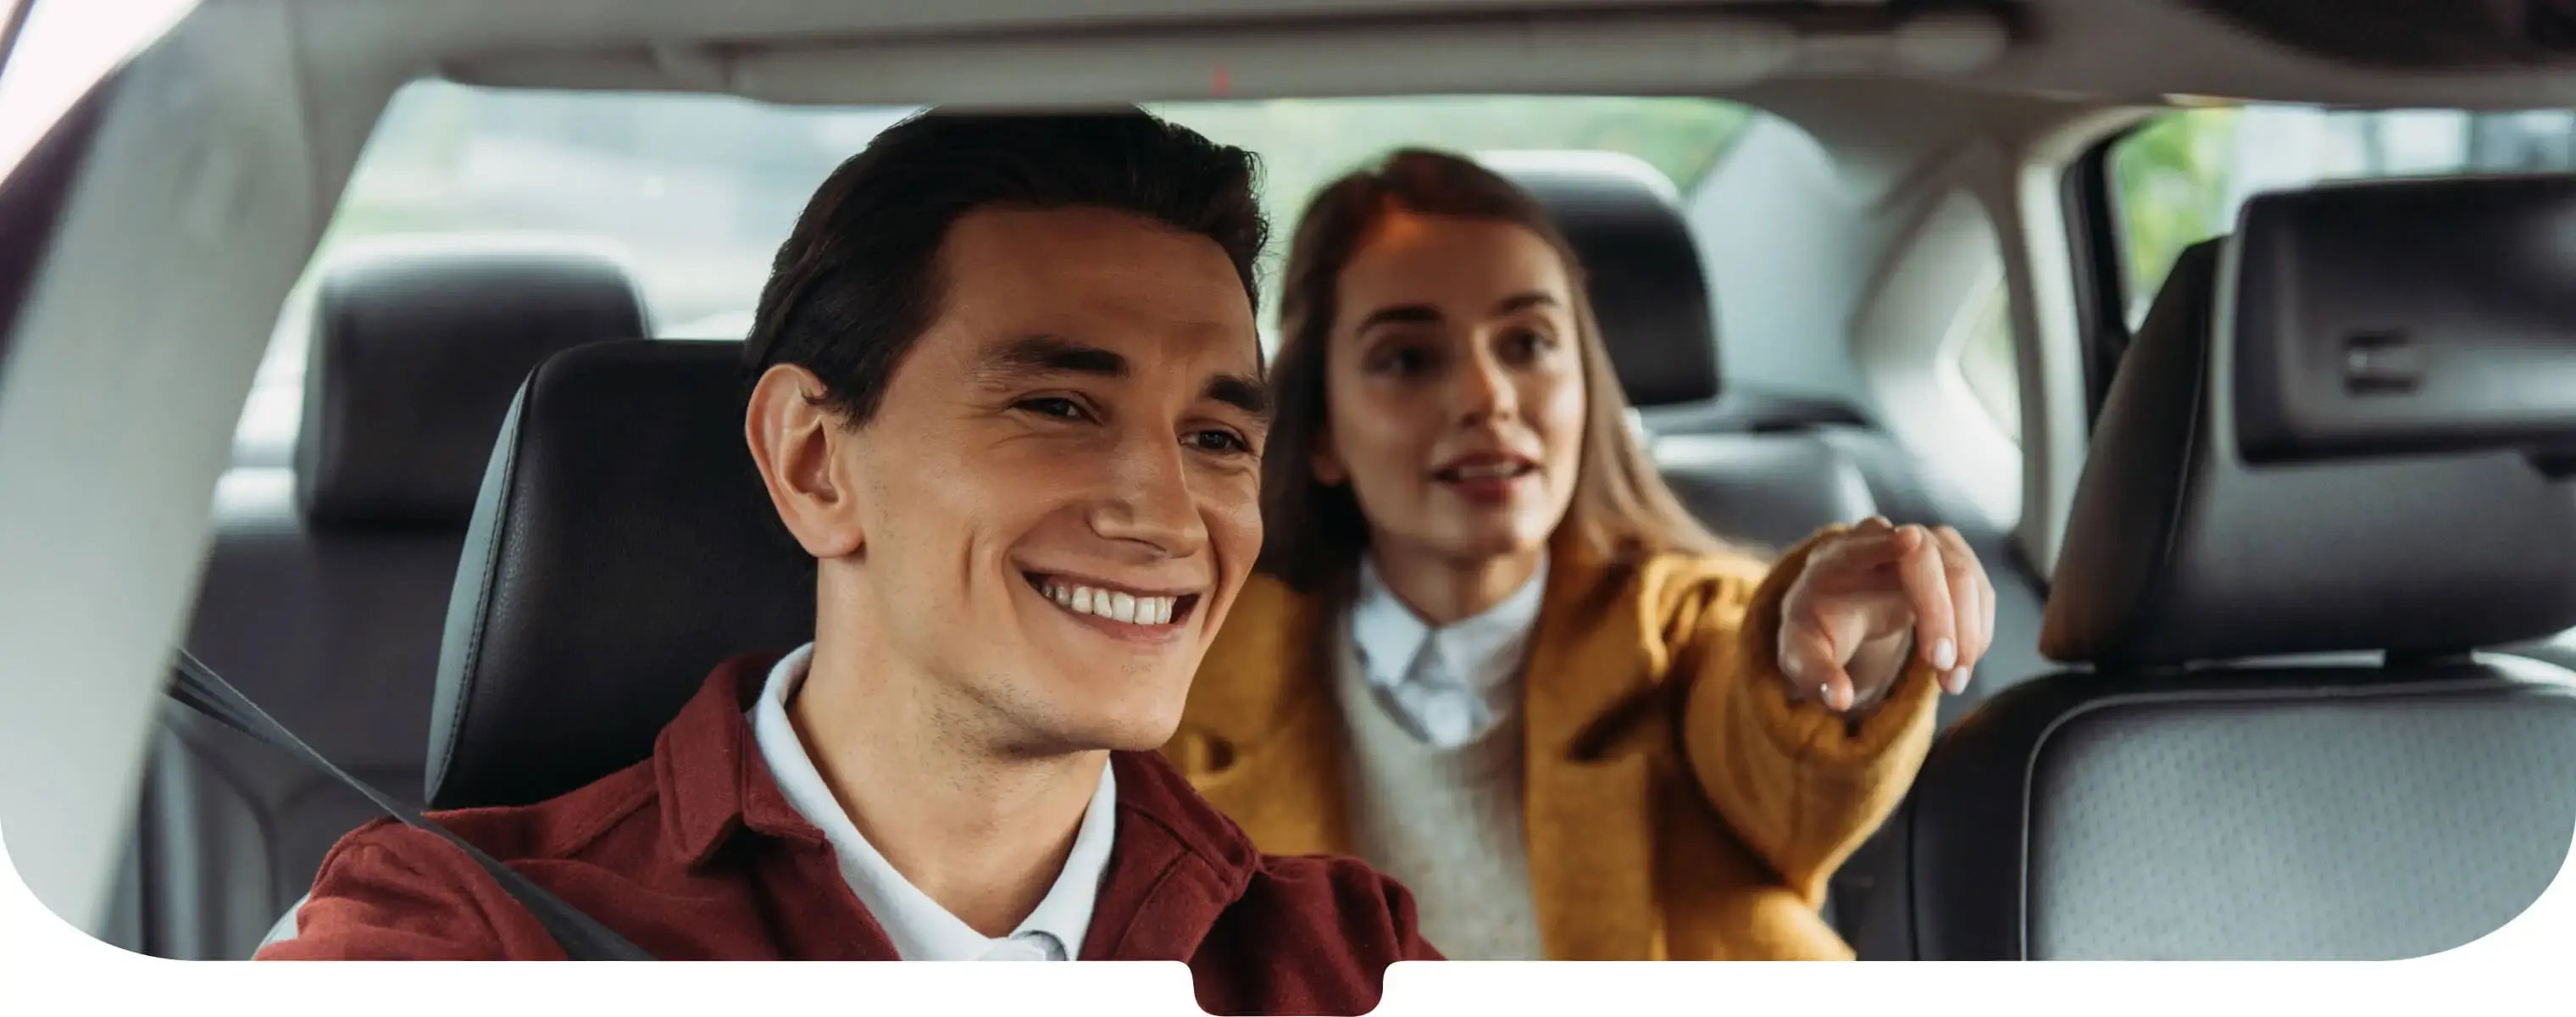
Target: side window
[(2181, 178)]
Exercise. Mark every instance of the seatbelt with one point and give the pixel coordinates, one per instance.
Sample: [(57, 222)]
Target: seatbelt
[(582, 937)]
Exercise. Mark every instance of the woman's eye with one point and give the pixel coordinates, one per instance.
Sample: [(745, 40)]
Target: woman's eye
[(1527, 344)]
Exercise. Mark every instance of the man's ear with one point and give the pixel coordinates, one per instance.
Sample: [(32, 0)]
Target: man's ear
[(795, 441)]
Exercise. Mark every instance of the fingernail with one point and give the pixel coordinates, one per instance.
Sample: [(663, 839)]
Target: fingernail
[(1825, 693), (1945, 655), (1956, 681), (1843, 699)]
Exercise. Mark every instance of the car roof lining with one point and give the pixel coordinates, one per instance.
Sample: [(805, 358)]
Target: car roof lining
[(821, 51)]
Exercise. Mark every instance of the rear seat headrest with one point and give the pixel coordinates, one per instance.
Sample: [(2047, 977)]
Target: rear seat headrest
[(619, 550), (2177, 550), (416, 350), (1643, 269)]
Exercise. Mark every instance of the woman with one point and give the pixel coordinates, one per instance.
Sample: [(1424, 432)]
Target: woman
[(1491, 654)]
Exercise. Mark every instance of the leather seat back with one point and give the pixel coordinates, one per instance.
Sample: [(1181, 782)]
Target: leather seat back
[(325, 587), (621, 548), (2202, 793)]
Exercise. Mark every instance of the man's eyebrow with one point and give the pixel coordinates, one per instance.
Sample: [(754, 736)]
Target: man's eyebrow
[(1524, 301), (1241, 391), (1050, 354), (1406, 314)]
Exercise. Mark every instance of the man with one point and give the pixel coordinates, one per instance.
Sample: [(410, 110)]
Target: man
[(1009, 398)]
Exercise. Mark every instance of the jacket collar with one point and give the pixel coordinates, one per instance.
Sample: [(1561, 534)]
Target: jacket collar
[(709, 771), (1176, 864)]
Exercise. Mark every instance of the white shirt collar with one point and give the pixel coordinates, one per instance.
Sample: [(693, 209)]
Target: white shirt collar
[(918, 926), (1484, 652)]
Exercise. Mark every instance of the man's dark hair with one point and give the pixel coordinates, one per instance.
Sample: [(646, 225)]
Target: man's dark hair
[(859, 278)]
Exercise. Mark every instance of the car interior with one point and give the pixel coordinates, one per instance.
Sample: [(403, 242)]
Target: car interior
[(383, 357)]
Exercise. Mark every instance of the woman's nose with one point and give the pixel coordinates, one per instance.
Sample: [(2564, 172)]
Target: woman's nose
[(1483, 392)]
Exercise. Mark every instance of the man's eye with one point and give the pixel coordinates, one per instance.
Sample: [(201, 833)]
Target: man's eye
[(1054, 406), (1219, 441)]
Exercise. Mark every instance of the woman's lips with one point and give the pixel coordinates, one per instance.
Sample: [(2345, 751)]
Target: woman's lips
[(1486, 480), (1484, 466)]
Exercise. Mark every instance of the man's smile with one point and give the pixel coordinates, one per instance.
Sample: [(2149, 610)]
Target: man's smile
[(1125, 611)]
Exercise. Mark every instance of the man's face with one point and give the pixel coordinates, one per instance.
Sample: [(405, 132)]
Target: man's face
[(1059, 494)]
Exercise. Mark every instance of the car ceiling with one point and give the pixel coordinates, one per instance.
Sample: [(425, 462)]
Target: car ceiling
[(1083, 51)]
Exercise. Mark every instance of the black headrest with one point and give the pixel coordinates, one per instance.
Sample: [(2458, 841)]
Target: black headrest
[(620, 549), (415, 353), (2178, 551), (1643, 269), (2358, 331)]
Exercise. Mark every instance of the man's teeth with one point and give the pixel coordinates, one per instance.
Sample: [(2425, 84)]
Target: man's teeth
[(1113, 605)]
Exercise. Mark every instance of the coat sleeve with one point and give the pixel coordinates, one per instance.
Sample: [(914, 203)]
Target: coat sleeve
[(1800, 785), (388, 892)]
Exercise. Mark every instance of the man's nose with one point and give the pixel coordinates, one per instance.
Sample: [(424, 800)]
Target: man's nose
[(1148, 504)]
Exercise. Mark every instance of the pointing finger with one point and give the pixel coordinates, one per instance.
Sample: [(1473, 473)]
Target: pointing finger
[(1967, 610), (1927, 589)]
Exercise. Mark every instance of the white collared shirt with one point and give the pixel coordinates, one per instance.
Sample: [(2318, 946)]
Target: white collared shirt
[(919, 927), (1449, 684)]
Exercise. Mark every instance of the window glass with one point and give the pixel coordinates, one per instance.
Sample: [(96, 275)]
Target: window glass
[(2182, 177), (62, 50), (695, 192)]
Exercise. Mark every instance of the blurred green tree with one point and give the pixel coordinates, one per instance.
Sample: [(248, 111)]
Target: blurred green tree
[(2170, 182)]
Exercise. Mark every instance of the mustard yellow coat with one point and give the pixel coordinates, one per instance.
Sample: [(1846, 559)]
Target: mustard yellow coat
[(1678, 804)]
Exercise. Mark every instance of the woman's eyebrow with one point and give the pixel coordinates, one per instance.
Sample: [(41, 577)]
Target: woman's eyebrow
[(1400, 314), (1524, 301)]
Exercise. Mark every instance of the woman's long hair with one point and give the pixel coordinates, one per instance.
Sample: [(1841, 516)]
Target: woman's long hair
[(1621, 512)]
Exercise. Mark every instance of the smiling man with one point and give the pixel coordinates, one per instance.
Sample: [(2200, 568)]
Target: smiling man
[(1008, 394)]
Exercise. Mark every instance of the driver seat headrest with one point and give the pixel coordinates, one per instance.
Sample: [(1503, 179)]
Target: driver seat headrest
[(416, 349), (1641, 267), (2179, 551), (622, 546)]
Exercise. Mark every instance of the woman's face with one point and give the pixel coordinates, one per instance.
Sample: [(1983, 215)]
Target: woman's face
[(1454, 388)]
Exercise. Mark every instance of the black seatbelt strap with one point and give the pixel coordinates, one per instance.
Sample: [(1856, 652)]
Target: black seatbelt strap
[(582, 937)]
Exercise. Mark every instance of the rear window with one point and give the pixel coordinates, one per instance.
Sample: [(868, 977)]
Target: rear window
[(2182, 177), (695, 192)]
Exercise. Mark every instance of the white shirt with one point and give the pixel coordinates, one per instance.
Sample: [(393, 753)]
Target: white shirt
[(919, 927), (1450, 684)]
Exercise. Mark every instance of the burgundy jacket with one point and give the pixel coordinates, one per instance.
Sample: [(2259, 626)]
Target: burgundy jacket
[(695, 854)]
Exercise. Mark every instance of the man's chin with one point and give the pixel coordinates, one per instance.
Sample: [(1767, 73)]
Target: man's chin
[(1066, 742), (1090, 729), (1134, 734)]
